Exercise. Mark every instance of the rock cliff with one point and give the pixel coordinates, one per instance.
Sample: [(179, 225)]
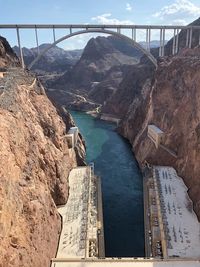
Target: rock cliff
[(7, 56), (99, 71), (172, 103), (34, 165), (132, 89)]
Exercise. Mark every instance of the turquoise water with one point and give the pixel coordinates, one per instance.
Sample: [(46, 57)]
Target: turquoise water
[(121, 186)]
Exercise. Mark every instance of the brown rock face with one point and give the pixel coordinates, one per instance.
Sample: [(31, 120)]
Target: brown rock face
[(7, 56), (34, 165), (132, 90), (173, 105)]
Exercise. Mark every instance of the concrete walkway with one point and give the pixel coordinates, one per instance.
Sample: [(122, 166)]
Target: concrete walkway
[(127, 263)]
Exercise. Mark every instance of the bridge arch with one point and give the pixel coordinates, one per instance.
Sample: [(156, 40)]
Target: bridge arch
[(121, 36)]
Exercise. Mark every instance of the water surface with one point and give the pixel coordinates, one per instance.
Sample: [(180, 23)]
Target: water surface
[(121, 186)]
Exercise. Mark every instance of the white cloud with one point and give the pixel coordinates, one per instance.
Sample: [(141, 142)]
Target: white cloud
[(107, 19), (179, 22), (179, 10), (128, 7)]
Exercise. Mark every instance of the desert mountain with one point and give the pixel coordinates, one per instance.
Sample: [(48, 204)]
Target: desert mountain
[(99, 71), (55, 59)]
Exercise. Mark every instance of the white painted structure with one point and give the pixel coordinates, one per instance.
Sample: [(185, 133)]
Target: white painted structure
[(79, 217), (155, 134), (181, 226), (72, 137)]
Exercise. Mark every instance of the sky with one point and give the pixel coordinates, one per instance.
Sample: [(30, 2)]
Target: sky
[(163, 12)]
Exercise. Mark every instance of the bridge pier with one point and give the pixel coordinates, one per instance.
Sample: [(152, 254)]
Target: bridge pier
[(187, 38), (190, 38), (54, 35), (148, 39), (162, 43), (174, 40), (20, 48), (134, 34), (199, 37), (36, 37), (175, 46), (177, 36), (160, 48)]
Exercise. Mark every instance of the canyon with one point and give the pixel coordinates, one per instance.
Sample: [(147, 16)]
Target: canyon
[(167, 97), (87, 78), (35, 160)]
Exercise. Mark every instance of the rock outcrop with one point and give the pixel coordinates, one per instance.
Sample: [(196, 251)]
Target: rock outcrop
[(172, 103), (131, 91), (7, 56), (34, 165), (99, 71), (56, 60)]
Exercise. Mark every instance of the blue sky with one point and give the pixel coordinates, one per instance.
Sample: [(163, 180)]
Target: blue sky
[(91, 11)]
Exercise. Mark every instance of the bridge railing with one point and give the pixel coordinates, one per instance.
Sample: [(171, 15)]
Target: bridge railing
[(115, 29)]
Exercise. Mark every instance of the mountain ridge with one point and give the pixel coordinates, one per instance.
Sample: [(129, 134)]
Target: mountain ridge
[(55, 59)]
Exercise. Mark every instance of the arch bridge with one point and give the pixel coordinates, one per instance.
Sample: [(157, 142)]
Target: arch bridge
[(116, 30)]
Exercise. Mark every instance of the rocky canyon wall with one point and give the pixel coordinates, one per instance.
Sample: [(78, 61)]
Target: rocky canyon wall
[(34, 165), (172, 103)]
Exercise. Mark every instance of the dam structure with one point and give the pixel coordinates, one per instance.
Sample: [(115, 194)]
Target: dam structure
[(82, 224), (172, 234), (172, 231)]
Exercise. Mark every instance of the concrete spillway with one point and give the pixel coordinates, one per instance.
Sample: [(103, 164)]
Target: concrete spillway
[(82, 225), (172, 228)]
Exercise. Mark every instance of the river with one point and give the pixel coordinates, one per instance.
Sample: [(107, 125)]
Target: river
[(121, 186)]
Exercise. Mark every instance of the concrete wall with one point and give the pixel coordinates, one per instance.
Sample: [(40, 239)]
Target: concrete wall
[(107, 117), (115, 262)]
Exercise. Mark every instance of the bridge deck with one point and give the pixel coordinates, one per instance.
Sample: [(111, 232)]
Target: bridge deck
[(96, 26)]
